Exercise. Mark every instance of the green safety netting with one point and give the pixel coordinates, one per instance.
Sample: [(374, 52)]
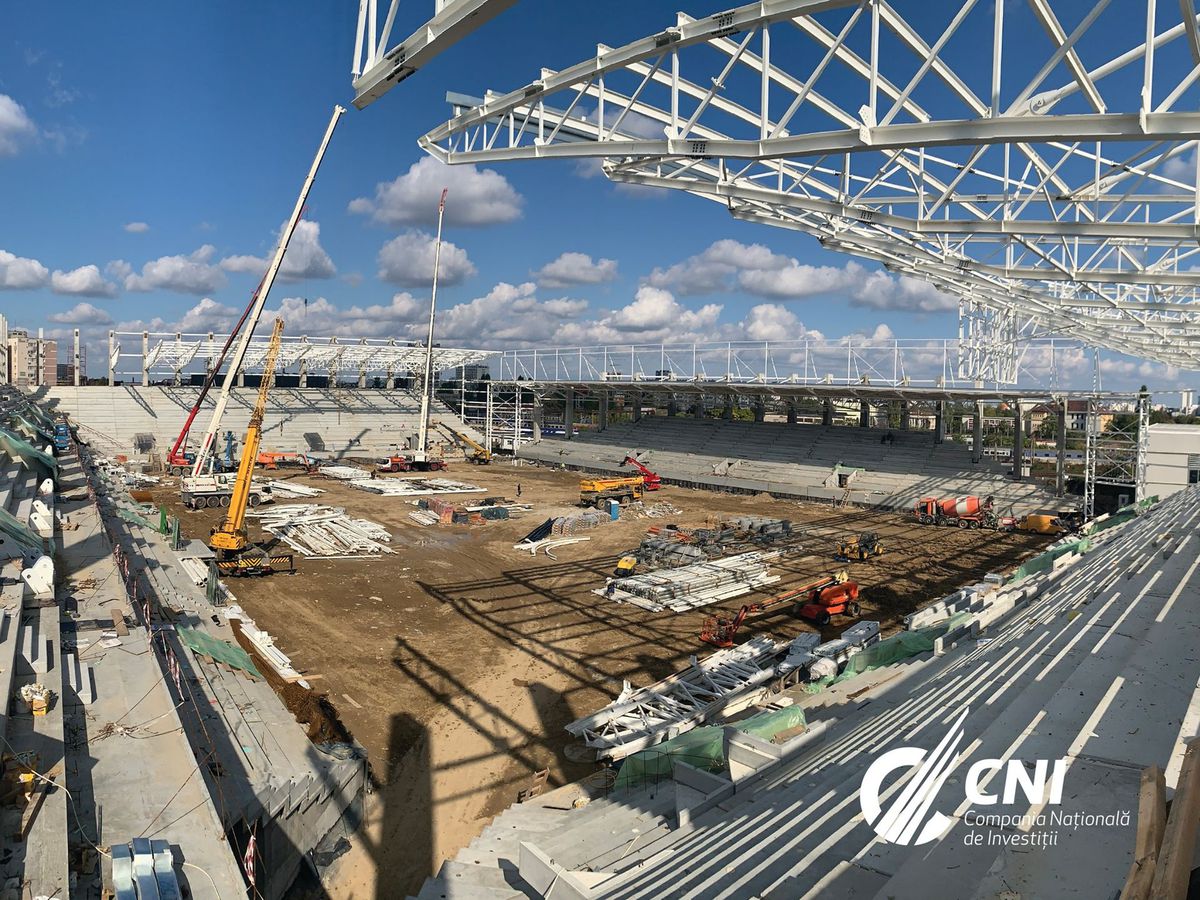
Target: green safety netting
[(33, 430), (1044, 561), (702, 748), (898, 647), (1122, 515), (18, 447), (22, 534), (218, 650)]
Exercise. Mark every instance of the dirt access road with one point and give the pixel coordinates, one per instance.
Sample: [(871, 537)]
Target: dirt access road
[(457, 660)]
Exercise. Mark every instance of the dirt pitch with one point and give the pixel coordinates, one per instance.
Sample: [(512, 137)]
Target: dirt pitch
[(457, 660)]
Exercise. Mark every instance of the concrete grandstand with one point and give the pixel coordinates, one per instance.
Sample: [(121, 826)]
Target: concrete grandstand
[(804, 461)]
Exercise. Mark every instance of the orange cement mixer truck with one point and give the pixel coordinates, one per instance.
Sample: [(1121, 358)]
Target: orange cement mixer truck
[(965, 512)]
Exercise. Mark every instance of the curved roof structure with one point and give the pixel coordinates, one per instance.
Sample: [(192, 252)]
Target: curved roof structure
[(1037, 162)]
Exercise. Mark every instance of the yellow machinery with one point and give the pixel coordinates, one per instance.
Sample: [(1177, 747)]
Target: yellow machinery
[(479, 454), (598, 491), (626, 566), (235, 554), (860, 547)]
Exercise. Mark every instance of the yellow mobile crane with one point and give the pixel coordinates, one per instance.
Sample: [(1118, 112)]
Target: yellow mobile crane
[(479, 454), (235, 554)]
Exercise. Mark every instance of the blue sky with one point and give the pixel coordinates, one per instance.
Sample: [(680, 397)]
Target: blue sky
[(149, 153)]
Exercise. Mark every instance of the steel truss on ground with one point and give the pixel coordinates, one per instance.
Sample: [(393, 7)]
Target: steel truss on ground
[(1056, 186), (1115, 455), (177, 355)]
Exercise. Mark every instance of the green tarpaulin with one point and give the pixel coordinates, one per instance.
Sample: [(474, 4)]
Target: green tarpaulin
[(220, 651)]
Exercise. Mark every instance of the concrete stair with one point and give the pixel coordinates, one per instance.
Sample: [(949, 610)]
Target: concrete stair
[(795, 461)]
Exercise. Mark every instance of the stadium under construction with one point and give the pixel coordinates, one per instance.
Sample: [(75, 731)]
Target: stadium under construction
[(291, 615)]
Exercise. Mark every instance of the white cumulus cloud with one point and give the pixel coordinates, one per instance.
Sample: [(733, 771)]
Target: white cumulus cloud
[(407, 260), (86, 281), (137, 227), (82, 314), (192, 274), (477, 196), (574, 268), (728, 265), (18, 273), (15, 126), (305, 257)]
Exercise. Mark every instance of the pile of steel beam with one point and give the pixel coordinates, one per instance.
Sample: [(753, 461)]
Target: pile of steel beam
[(291, 488), (412, 487), (722, 683), (342, 473), (324, 531), (699, 584)]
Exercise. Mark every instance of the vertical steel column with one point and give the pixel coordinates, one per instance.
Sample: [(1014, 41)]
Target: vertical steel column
[(977, 433), (112, 352), (905, 418), (145, 359), (569, 413), (1143, 446), (77, 360), (602, 410), (1060, 464), (864, 414), (1018, 450)]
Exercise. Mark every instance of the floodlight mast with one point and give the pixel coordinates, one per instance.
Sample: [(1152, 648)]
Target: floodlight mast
[(427, 386), (205, 450)]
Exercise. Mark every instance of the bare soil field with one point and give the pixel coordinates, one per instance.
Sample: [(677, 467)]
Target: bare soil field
[(457, 660)]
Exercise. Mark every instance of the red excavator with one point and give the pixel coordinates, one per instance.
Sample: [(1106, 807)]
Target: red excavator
[(817, 601), (650, 481)]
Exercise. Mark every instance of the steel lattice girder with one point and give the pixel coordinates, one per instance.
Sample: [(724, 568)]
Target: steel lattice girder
[(175, 352), (378, 68), (915, 142)]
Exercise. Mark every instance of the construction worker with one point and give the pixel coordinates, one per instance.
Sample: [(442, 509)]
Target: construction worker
[(518, 490)]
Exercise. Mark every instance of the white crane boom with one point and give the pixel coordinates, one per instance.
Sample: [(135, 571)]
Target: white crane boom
[(204, 451), (427, 386)]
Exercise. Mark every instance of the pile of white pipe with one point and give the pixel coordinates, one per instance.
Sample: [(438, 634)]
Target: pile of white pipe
[(324, 531)]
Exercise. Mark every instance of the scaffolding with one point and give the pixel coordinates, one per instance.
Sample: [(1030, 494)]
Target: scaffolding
[(1115, 452)]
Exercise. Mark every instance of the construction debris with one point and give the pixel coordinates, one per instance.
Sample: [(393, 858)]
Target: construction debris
[(38, 697), (696, 585), (324, 531)]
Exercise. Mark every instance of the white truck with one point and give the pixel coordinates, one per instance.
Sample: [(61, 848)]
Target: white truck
[(210, 491)]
